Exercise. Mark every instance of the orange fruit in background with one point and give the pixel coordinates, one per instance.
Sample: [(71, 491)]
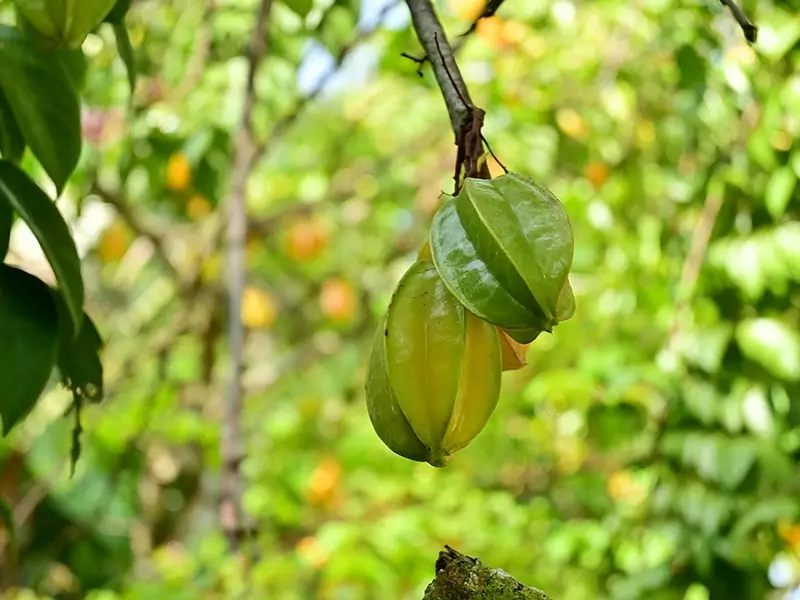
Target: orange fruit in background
[(571, 123), (259, 309), (179, 173), (198, 206), (307, 239), (114, 243), (338, 300), (493, 32), (597, 173), (466, 9), (324, 484)]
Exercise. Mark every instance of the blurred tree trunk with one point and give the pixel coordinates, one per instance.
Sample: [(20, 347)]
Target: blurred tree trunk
[(461, 577)]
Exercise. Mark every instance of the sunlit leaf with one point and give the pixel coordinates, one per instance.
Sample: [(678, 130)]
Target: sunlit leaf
[(50, 229)]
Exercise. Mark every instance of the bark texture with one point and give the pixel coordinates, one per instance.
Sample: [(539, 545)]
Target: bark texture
[(462, 577)]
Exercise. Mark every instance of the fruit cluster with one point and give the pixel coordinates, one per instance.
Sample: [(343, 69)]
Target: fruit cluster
[(491, 278)]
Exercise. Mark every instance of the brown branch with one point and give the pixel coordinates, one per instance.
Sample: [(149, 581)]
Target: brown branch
[(440, 54), (132, 220), (231, 511), (750, 31)]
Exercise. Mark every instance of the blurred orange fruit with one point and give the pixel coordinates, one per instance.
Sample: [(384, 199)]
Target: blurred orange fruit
[(338, 300), (324, 484), (307, 239), (789, 533), (198, 206), (259, 309), (492, 31), (466, 9), (312, 551), (597, 173), (571, 123), (621, 485), (179, 173), (114, 243)]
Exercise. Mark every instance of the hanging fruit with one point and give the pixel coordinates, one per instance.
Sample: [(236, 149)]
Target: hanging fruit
[(504, 248), (434, 372)]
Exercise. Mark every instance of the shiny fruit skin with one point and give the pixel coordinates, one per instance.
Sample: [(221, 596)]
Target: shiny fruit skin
[(435, 370)]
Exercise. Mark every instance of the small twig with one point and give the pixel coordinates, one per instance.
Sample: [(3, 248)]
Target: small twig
[(750, 31), (494, 156)]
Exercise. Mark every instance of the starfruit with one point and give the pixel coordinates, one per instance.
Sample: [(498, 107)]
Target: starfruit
[(64, 23), (504, 248), (433, 378)]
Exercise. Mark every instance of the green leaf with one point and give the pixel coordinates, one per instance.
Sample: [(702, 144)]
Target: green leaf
[(79, 360), (118, 13), (779, 191), (6, 221), (49, 227), (300, 7), (765, 512), (12, 143), (504, 248), (612, 427), (67, 25), (125, 49), (29, 330), (735, 458), (772, 344), (44, 101)]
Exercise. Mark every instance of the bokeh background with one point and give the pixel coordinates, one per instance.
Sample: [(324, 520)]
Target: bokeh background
[(649, 449)]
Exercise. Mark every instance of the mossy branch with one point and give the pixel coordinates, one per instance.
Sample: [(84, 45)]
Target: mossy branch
[(462, 577)]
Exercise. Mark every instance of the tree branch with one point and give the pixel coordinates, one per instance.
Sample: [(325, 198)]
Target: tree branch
[(461, 577), (231, 512), (440, 54), (750, 31)]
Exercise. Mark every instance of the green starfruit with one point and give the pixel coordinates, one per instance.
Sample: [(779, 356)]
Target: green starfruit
[(504, 248), (434, 372), (64, 23)]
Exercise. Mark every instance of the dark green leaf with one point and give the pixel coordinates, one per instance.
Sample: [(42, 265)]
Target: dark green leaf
[(29, 330), (79, 359), (611, 427), (6, 220), (49, 227), (118, 13), (44, 101), (125, 50), (12, 143), (300, 7)]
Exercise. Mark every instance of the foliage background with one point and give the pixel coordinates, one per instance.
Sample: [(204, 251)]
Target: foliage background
[(648, 450)]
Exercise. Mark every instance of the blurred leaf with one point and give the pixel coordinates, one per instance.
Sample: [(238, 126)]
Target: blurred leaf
[(126, 53), (779, 191), (772, 344), (300, 7), (44, 102), (12, 143), (735, 459), (7, 520), (6, 221), (47, 224), (765, 512), (611, 427), (29, 330)]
